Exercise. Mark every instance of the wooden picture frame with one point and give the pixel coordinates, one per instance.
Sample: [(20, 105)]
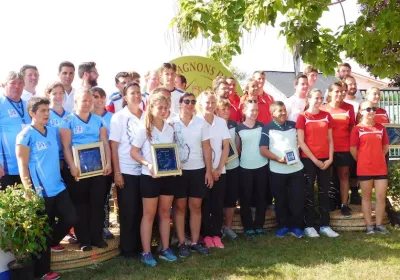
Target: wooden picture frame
[(393, 132), (233, 154), (89, 159), (165, 160)]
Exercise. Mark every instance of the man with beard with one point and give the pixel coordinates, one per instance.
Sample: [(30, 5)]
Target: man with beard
[(87, 72), (31, 80), (66, 74)]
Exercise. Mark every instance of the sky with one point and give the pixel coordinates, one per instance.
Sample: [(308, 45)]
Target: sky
[(122, 35)]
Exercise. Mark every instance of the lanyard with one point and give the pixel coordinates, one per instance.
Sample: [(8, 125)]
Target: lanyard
[(20, 110)]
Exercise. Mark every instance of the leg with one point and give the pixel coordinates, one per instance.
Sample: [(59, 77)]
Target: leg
[(217, 206), (324, 177), (231, 195), (343, 173), (98, 186), (9, 180), (366, 188), (164, 213), (195, 218), (66, 215), (246, 194), (296, 199), (107, 196), (180, 205), (278, 184), (146, 225), (261, 184), (380, 194), (310, 172), (205, 214)]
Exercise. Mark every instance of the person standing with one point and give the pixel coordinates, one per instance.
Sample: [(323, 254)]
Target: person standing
[(66, 74), (312, 75), (115, 101), (168, 74), (87, 72), (297, 102), (264, 99), (373, 95), (31, 80)]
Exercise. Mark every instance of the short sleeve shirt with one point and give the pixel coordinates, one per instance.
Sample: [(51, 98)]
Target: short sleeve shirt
[(294, 106), (381, 116), (232, 131), (175, 96), (69, 99), (107, 120), (55, 120)]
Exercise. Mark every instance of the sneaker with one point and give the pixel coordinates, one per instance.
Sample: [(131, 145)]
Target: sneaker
[(209, 242), (250, 234), (102, 244), (57, 248), (198, 248), (381, 229), (282, 232), (167, 255), (217, 242), (51, 276), (227, 231), (107, 234), (346, 211), (296, 232), (370, 230), (259, 231), (355, 198), (183, 251), (85, 247), (71, 238), (311, 232), (327, 231), (147, 259)]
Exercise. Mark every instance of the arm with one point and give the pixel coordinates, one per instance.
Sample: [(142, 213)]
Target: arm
[(385, 149), (306, 150), (238, 144), (136, 155), (118, 178), (264, 150), (223, 159), (354, 152), (331, 150), (66, 137), (23, 154), (207, 154), (107, 151)]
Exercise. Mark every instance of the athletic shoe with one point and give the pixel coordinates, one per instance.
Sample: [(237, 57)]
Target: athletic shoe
[(209, 242), (102, 244), (227, 231), (327, 231), (167, 255), (218, 243), (311, 232), (57, 248), (370, 230), (183, 251), (147, 259), (355, 198), (259, 231), (51, 276), (282, 232), (250, 234), (198, 248), (346, 211), (85, 247), (71, 238), (381, 229), (296, 232), (107, 234)]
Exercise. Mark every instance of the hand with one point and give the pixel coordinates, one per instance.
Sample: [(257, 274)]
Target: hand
[(209, 180), (119, 180), (216, 174), (282, 160), (319, 164), (327, 163), (151, 169), (1, 171), (74, 172), (108, 169)]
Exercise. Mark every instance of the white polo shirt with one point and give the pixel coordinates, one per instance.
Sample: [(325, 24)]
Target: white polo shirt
[(294, 106), (166, 136), (123, 128), (26, 95), (69, 99), (218, 132), (189, 140)]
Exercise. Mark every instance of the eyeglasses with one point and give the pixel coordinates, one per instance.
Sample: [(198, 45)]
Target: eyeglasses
[(251, 101), (187, 101), (369, 109)]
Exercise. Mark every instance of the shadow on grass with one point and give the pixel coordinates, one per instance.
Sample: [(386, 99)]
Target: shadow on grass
[(266, 257)]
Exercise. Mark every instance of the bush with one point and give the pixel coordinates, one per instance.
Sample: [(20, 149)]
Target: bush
[(394, 184), (23, 230)]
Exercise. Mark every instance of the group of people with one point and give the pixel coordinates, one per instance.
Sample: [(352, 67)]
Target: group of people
[(336, 136)]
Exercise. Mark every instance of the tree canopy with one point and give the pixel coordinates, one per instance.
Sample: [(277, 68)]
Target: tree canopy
[(373, 40)]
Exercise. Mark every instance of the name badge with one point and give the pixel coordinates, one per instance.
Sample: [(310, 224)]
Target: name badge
[(54, 122), (13, 113), (41, 146), (78, 129)]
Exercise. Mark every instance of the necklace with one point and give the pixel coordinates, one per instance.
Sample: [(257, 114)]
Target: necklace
[(278, 125)]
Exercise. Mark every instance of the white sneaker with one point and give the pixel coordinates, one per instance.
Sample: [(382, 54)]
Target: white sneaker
[(327, 231), (311, 232)]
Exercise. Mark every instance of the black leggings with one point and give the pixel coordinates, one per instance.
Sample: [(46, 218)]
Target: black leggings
[(323, 178)]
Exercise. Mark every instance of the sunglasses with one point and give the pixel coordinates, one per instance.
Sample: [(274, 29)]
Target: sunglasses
[(251, 101), (369, 109), (187, 101)]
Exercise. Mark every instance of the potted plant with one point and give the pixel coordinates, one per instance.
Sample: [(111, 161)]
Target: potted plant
[(23, 229), (393, 193)]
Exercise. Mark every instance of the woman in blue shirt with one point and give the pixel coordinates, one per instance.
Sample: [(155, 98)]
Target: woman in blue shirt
[(37, 155), (83, 127)]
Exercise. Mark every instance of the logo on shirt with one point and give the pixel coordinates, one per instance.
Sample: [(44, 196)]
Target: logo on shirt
[(78, 129), (12, 113), (54, 122), (379, 136), (41, 146)]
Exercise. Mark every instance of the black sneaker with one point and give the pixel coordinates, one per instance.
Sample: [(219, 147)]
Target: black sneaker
[(346, 211), (85, 247), (355, 198), (102, 244), (183, 251), (199, 249)]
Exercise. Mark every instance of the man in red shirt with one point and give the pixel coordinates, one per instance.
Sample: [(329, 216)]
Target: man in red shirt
[(234, 99), (264, 99)]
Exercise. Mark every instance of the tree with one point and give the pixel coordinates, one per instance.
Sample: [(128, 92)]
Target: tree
[(371, 40)]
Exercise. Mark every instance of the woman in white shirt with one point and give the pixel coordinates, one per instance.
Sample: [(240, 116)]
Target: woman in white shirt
[(127, 171), (213, 203), (157, 193)]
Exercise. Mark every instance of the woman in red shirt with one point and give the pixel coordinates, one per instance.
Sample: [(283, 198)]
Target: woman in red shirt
[(343, 121), (369, 145), (373, 95)]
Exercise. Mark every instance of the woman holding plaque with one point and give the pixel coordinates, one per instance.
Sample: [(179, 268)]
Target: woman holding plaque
[(123, 129), (213, 202), (314, 131), (253, 171), (157, 192), (369, 144), (193, 139), (78, 128)]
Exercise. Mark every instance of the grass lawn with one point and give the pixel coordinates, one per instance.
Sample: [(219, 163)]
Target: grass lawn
[(353, 255)]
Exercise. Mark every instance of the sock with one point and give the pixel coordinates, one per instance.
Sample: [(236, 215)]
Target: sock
[(354, 190)]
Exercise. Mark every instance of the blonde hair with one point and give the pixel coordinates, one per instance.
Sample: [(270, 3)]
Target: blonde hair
[(80, 94), (223, 103), (50, 87), (359, 116), (148, 117), (372, 90), (204, 94)]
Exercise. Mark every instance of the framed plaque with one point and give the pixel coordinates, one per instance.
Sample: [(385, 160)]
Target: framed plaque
[(89, 159), (165, 160), (393, 132), (232, 152), (291, 156)]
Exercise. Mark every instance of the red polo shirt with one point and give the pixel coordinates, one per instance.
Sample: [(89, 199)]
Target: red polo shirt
[(264, 102), (236, 113)]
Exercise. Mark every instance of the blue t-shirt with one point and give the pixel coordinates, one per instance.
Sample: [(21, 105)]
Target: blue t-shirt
[(13, 118), (107, 120), (44, 164), (83, 132), (55, 121)]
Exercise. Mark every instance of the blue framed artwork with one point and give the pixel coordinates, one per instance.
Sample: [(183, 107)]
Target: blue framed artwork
[(232, 152), (393, 132), (165, 160), (89, 159)]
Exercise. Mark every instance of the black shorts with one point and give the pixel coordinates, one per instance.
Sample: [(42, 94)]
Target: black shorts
[(353, 170), (342, 159), (154, 187), (232, 188), (191, 184), (377, 177)]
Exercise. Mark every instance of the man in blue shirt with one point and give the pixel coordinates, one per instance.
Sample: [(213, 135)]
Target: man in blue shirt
[(13, 118)]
